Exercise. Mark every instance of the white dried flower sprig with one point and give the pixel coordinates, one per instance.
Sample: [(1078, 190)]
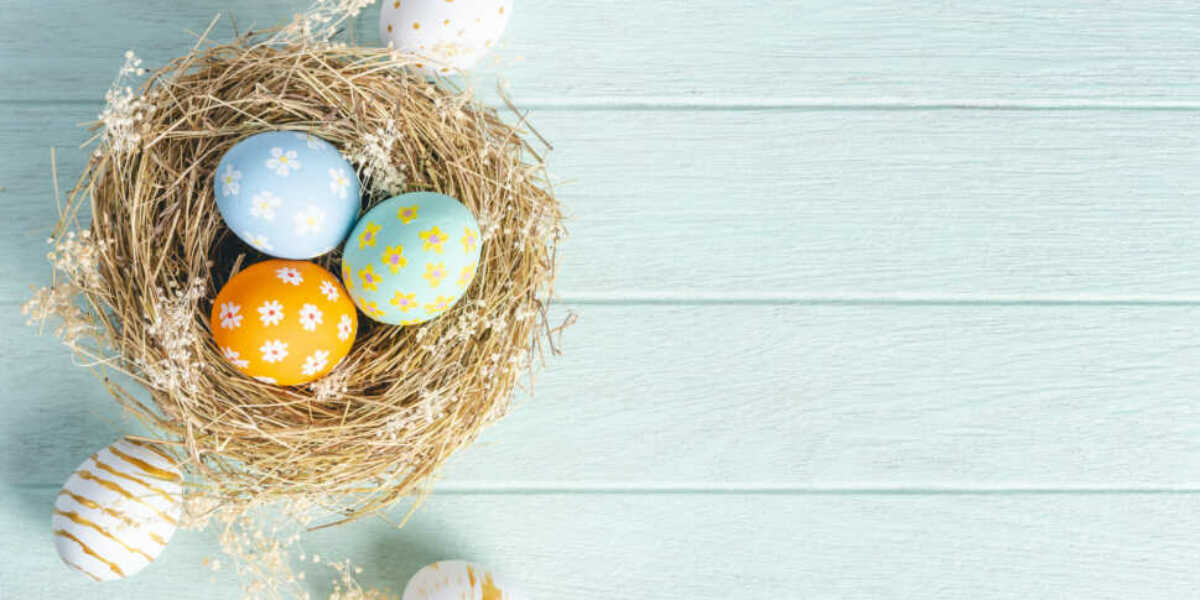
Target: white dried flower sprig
[(333, 384), (124, 112), (171, 326), (433, 404), (318, 24), (384, 176), (78, 257), (61, 301), (262, 540)]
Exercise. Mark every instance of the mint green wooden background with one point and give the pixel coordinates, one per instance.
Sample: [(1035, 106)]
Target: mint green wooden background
[(913, 287)]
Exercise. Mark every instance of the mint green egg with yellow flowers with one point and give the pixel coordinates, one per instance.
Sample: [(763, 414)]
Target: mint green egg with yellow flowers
[(411, 258)]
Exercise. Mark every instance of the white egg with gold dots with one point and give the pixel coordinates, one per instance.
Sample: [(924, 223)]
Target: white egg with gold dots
[(459, 580), (450, 35), (118, 510)]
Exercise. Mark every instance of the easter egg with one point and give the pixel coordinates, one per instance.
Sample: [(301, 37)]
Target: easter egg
[(411, 258), (118, 510), (287, 194), (284, 322), (452, 35), (457, 579)]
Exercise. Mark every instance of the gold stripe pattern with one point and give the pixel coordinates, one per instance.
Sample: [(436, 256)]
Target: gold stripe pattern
[(150, 469), (111, 565), (116, 514), (124, 475), (152, 448), (79, 520), (82, 570), (87, 502), (85, 474)]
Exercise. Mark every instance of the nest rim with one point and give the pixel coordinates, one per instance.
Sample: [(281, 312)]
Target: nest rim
[(405, 398)]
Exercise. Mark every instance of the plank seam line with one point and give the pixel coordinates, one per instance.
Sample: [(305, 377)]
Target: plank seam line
[(685, 103), (831, 103), (799, 298), (786, 489)]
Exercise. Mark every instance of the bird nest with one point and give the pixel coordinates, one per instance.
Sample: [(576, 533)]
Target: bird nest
[(142, 250)]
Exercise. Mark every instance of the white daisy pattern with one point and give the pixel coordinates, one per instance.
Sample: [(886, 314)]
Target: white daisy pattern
[(270, 380), (329, 290), (263, 205), (289, 276), (310, 317), (310, 140), (309, 220), (233, 356), (270, 313), (283, 163), (259, 241), (230, 319), (274, 351), (315, 362), (230, 179), (345, 327), (338, 182)]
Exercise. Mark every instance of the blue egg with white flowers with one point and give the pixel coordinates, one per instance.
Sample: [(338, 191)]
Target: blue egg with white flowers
[(287, 193)]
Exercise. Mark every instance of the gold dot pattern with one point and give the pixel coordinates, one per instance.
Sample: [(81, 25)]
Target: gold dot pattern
[(469, 29)]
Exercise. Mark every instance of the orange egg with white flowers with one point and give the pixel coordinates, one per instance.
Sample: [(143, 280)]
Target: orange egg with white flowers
[(285, 322)]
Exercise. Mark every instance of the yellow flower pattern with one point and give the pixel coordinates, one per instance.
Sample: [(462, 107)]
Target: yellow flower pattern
[(367, 237), (372, 308), (370, 281), (405, 302), (393, 258), (464, 276), (407, 214), (434, 238), (435, 273), (469, 240), (439, 305), (381, 270)]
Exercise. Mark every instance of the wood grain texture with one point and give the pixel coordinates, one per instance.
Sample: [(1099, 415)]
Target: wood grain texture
[(894, 206), (911, 287), (717, 546), (798, 397), (678, 52)]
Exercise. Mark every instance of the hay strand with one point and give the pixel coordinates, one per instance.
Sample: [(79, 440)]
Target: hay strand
[(380, 426)]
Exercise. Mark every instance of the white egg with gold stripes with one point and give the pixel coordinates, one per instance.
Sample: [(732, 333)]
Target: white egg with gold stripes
[(118, 510), (458, 580)]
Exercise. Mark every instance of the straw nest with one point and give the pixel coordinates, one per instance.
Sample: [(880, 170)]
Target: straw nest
[(382, 423)]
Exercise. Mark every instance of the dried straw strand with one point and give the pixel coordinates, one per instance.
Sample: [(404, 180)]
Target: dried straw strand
[(379, 427)]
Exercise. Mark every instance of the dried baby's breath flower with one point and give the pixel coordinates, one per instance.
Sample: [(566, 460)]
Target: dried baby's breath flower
[(78, 257), (333, 384), (175, 367), (322, 21), (433, 404), (62, 302), (346, 587), (395, 426), (124, 111), (381, 174), (198, 511)]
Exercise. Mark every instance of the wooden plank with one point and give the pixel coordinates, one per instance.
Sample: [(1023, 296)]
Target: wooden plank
[(798, 397), (813, 205), (705, 546), (789, 53)]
